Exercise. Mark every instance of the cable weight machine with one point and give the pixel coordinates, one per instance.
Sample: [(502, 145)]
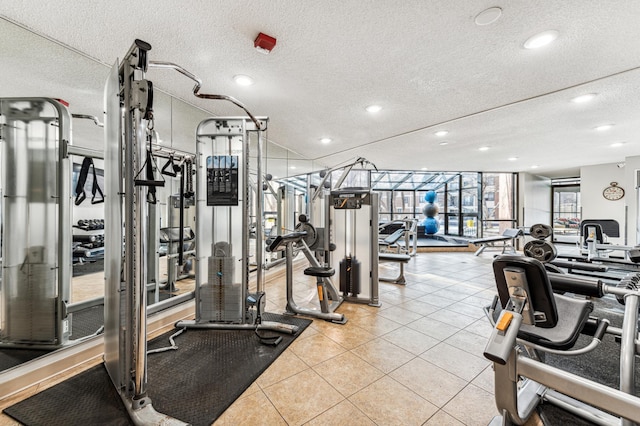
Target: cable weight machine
[(130, 188), (36, 236), (223, 215)]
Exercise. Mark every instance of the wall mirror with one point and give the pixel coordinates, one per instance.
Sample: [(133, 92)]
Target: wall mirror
[(39, 67)]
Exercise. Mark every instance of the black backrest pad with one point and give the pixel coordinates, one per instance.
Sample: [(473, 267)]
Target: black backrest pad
[(541, 295), (610, 227), (280, 241)]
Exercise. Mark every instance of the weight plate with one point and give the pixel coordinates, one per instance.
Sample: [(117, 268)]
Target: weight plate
[(540, 231), (540, 250), (311, 237)]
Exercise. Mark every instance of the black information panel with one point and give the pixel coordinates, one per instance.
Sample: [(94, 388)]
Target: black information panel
[(349, 200), (222, 180)]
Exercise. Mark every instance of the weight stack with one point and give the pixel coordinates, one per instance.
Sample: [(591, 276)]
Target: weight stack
[(350, 276), (32, 304), (220, 297)]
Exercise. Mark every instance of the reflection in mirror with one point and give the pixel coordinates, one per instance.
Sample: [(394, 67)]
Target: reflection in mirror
[(50, 66), (276, 160), (36, 263), (79, 80)]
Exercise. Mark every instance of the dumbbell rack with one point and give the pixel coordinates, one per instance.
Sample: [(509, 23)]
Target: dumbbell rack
[(89, 245)]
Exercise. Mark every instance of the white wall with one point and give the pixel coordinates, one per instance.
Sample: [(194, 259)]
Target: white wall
[(632, 164), (593, 180), (535, 200)]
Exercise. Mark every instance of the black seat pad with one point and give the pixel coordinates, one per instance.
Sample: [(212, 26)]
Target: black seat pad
[(395, 257), (316, 271), (573, 315)]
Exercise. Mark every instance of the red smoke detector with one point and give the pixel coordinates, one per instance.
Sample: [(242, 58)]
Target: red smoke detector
[(264, 43)]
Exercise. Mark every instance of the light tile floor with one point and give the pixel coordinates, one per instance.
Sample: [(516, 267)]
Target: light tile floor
[(417, 360)]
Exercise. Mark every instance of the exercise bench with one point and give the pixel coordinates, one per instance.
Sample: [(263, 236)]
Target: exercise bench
[(400, 259), (507, 239), (391, 240)]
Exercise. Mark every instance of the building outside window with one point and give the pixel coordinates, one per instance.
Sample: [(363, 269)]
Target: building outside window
[(567, 207)]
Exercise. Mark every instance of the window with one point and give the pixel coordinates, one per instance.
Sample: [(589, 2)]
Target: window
[(498, 206), (566, 208)]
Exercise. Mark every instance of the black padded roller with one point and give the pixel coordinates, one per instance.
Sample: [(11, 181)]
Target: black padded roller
[(572, 284)]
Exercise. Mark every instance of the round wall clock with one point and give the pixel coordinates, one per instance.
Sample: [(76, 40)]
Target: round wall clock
[(613, 192)]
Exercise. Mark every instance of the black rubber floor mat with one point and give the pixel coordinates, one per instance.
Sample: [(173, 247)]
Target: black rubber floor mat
[(554, 416), (195, 383), (601, 365), (9, 358), (87, 321), (88, 268)]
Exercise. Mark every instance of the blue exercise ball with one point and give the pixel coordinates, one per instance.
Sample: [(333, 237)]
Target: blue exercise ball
[(430, 196), (431, 225)]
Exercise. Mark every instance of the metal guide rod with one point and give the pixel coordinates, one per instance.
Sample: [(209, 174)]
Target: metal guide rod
[(246, 207), (196, 88), (259, 212)]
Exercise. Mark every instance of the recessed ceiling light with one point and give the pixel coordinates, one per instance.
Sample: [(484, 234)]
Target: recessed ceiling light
[(584, 98), (541, 39), (483, 148), (373, 108), (513, 158), (488, 16), (243, 80), (535, 166), (617, 144), (604, 127), (292, 167), (441, 133), (325, 140), (424, 168), (443, 143)]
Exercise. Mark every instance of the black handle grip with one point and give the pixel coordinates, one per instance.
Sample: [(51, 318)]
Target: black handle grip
[(143, 182)]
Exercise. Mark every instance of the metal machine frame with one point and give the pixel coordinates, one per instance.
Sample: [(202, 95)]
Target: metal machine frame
[(328, 204), (128, 127), (129, 119), (523, 381), (36, 263), (351, 196), (305, 239), (224, 209)]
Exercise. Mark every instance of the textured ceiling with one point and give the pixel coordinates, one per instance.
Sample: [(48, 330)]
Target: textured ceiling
[(424, 62)]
